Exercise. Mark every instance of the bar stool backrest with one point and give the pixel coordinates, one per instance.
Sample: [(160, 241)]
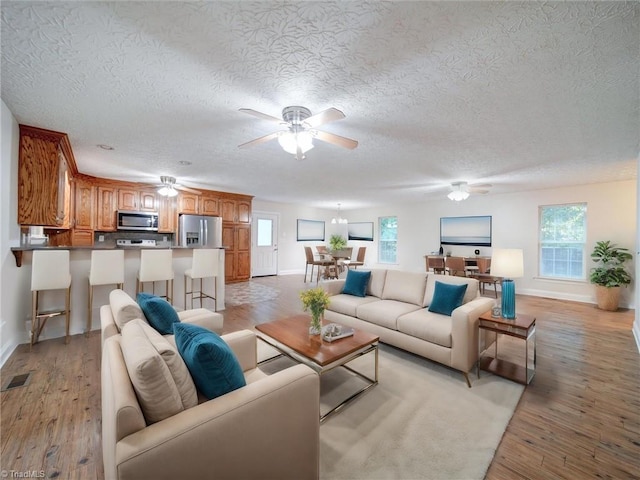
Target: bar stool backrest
[(107, 267), (50, 270), (155, 265), (205, 263)]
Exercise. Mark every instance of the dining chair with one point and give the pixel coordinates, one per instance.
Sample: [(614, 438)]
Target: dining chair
[(359, 261), (311, 260), (435, 264), (455, 266)]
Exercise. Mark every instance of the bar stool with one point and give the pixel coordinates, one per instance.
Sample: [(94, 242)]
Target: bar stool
[(107, 268), (204, 265), (49, 271), (156, 266)]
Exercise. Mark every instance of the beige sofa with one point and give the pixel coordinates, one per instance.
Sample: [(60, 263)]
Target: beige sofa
[(394, 309), (266, 429)]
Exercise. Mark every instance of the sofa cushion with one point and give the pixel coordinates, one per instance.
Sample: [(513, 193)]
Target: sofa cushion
[(348, 304), (384, 312), (406, 287), (150, 375), (213, 365), (124, 308), (204, 318), (428, 326), (470, 294), (356, 283), (447, 297), (160, 314), (376, 283)]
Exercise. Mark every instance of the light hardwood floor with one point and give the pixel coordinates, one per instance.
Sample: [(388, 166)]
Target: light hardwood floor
[(580, 417)]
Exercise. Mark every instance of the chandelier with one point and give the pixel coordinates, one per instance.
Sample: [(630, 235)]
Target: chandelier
[(339, 218)]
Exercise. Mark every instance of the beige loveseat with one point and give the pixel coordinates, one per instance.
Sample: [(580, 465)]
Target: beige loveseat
[(266, 429), (394, 309)]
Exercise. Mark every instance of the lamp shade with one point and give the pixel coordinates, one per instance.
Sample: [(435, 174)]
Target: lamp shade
[(507, 263)]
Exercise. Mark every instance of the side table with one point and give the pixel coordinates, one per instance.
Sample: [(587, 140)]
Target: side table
[(522, 327)]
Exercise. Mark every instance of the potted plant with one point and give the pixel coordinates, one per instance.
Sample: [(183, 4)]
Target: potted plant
[(337, 242), (610, 274), (315, 300)]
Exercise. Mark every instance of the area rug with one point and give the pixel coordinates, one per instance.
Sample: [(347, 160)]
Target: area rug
[(248, 292), (420, 422)]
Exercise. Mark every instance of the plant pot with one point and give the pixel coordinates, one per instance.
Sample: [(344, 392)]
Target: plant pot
[(608, 298)]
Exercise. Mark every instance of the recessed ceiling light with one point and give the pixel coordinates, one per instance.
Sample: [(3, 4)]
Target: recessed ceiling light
[(184, 162), (104, 147)]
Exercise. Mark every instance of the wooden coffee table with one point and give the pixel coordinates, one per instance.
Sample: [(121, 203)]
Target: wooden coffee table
[(290, 336)]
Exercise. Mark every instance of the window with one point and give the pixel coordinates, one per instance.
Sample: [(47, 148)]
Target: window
[(563, 233), (388, 251)]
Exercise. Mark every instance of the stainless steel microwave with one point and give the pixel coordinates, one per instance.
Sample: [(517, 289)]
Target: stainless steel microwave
[(147, 221)]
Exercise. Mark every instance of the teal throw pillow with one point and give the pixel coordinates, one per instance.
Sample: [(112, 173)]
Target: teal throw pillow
[(213, 365), (356, 283), (160, 314), (447, 297)]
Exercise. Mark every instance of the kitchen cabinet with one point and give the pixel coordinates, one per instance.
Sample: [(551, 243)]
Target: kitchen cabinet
[(238, 254), (236, 210), (45, 169), (166, 214), (83, 213), (134, 200), (209, 205), (107, 203), (188, 203)]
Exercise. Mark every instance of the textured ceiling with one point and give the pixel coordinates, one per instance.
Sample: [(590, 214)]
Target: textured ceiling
[(522, 95)]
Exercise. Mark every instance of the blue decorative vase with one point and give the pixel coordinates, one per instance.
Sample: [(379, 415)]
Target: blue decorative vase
[(508, 299)]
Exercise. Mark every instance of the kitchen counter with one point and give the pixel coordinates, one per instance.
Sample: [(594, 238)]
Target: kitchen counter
[(17, 251)]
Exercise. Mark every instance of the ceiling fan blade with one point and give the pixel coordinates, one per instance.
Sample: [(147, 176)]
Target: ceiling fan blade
[(481, 185), (329, 115), (261, 115), (260, 140), (187, 189), (336, 139)]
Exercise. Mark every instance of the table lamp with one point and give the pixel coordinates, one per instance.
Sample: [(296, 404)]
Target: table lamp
[(507, 263)]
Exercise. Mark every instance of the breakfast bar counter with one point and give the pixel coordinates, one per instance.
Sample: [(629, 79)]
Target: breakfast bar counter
[(80, 264)]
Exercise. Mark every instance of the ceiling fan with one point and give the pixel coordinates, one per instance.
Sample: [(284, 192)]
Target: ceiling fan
[(169, 188), (297, 137), (461, 190)]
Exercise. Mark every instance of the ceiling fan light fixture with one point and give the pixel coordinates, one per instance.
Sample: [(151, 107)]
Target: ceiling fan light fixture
[(290, 141), (167, 191), (458, 195)]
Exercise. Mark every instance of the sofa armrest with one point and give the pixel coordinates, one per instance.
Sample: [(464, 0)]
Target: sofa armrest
[(333, 287), (108, 327), (268, 429), (464, 333), (244, 345)]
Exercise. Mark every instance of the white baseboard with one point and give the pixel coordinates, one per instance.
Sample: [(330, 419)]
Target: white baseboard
[(556, 295)]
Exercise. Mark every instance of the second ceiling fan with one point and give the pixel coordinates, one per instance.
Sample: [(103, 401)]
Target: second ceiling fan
[(300, 130)]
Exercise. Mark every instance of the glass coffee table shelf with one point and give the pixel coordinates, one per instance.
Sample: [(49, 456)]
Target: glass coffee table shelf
[(522, 327)]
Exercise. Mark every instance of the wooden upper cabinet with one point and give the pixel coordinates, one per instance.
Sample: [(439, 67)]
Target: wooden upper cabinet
[(188, 203), (85, 200), (209, 205), (166, 214), (46, 167), (136, 200), (127, 199), (236, 210), (107, 203), (148, 202)]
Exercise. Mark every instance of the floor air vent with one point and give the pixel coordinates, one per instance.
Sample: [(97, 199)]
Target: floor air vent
[(17, 381)]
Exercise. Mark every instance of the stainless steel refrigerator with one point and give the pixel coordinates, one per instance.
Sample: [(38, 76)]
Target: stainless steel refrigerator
[(200, 231)]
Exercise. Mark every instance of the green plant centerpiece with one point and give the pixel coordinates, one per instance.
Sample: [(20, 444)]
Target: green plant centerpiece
[(337, 242), (315, 300), (609, 274)]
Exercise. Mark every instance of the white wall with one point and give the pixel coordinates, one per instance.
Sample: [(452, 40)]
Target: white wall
[(611, 215), (14, 309), (636, 323)]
